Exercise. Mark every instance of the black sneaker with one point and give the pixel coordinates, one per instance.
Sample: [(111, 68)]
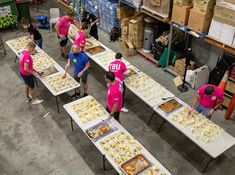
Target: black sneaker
[(76, 94), (85, 94)]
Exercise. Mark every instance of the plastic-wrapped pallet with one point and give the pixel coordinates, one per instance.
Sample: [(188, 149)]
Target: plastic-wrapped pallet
[(159, 7)]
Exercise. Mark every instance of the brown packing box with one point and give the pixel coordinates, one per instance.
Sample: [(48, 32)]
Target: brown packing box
[(183, 2), (127, 51), (180, 66), (124, 12), (180, 14), (226, 101), (198, 21), (225, 14), (204, 6)]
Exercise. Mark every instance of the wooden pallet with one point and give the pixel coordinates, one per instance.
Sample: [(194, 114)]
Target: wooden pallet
[(147, 56), (69, 6), (154, 14)]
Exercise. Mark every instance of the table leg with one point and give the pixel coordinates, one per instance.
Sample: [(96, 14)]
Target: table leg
[(104, 162), (71, 121), (16, 58), (161, 125), (151, 117), (208, 163), (57, 104)]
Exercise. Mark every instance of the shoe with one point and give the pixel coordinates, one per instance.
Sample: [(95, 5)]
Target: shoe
[(28, 100), (36, 102), (76, 94), (124, 109), (85, 94)]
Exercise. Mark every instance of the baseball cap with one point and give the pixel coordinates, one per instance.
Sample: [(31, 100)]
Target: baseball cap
[(209, 90)]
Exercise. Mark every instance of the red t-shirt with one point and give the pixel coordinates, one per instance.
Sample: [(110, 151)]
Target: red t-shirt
[(118, 68), (25, 57), (64, 24), (114, 94), (209, 101), (79, 39)]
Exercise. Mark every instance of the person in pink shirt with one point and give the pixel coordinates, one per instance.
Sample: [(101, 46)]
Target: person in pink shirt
[(209, 98), (62, 28), (27, 73), (80, 37), (113, 96), (119, 68)]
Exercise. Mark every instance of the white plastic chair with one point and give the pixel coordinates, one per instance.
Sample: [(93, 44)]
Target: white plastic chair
[(54, 16)]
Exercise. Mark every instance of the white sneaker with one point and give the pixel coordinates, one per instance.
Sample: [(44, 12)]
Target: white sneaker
[(124, 109), (36, 102)]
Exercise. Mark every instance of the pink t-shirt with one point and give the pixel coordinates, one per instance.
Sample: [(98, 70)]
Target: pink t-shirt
[(79, 39), (114, 94), (118, 68), (25, 57), (64, 24), (209, 101)]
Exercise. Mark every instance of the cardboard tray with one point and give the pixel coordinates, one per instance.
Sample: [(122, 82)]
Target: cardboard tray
[(95, 50)]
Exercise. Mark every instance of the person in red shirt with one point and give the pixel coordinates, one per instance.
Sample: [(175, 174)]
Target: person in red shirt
[(113, 96), (62, 29), (28, 74), (208, 99), (118, 67)]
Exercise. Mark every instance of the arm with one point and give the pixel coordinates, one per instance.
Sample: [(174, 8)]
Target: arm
[(85, 68), (57, 25), (26, 69), (114, 108), (67, 65), (32, 36), (195, 101)]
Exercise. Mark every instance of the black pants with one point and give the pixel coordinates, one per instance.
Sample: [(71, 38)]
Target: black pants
[(115, 115), (123, 93)]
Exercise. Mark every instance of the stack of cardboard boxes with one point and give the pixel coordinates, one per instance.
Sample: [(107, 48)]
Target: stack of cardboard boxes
[(201, 14), (223, 23), (132, 34), (179, 67), (181, 9)]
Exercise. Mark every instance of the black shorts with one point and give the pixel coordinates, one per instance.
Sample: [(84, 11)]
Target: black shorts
[(29, 80), (84, 79), (115, 115), (64, 41)]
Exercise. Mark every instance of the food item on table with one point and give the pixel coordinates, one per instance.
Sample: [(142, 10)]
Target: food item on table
[(59, 84), (95, 50), (151, 91), (72, 31), (48, 71), (18, 44), (202, 128), (154, 170), (91, 42), (98, 130), (120, 146), (89, 109), (135, 165), (170, 106), (42, 61), (130, 72)]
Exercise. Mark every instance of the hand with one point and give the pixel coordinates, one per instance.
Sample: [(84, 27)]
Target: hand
[(191, 111), (109, 117), (211, 112), (80, 74), (35, 74)]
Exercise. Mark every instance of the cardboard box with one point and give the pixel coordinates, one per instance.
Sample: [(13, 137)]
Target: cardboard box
[(183, 2), (180, 14), (215, 29), (204, 6), (225, 13), (124, 12), (230, 87), (198, 21), (227, 34), (127, 51)]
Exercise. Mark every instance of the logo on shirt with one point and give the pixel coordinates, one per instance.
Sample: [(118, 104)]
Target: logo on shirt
[(115, 66), (213, 98), (74, 60)]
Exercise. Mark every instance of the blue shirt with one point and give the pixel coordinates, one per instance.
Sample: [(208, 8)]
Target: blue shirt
[(79, 61)]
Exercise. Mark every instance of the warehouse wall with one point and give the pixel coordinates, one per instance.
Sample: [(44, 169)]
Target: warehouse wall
[(205, 53)]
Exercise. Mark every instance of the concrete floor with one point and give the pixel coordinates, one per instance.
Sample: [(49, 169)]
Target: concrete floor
[(33, 145)]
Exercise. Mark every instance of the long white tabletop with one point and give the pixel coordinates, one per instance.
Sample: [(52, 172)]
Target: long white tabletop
[(214, 148), (112, 123)]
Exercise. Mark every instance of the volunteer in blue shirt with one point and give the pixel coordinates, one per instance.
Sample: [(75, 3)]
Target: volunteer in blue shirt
[(81, 66)]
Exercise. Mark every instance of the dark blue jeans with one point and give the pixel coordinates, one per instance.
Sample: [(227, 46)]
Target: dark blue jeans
[(39, 42), (204, 111)]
